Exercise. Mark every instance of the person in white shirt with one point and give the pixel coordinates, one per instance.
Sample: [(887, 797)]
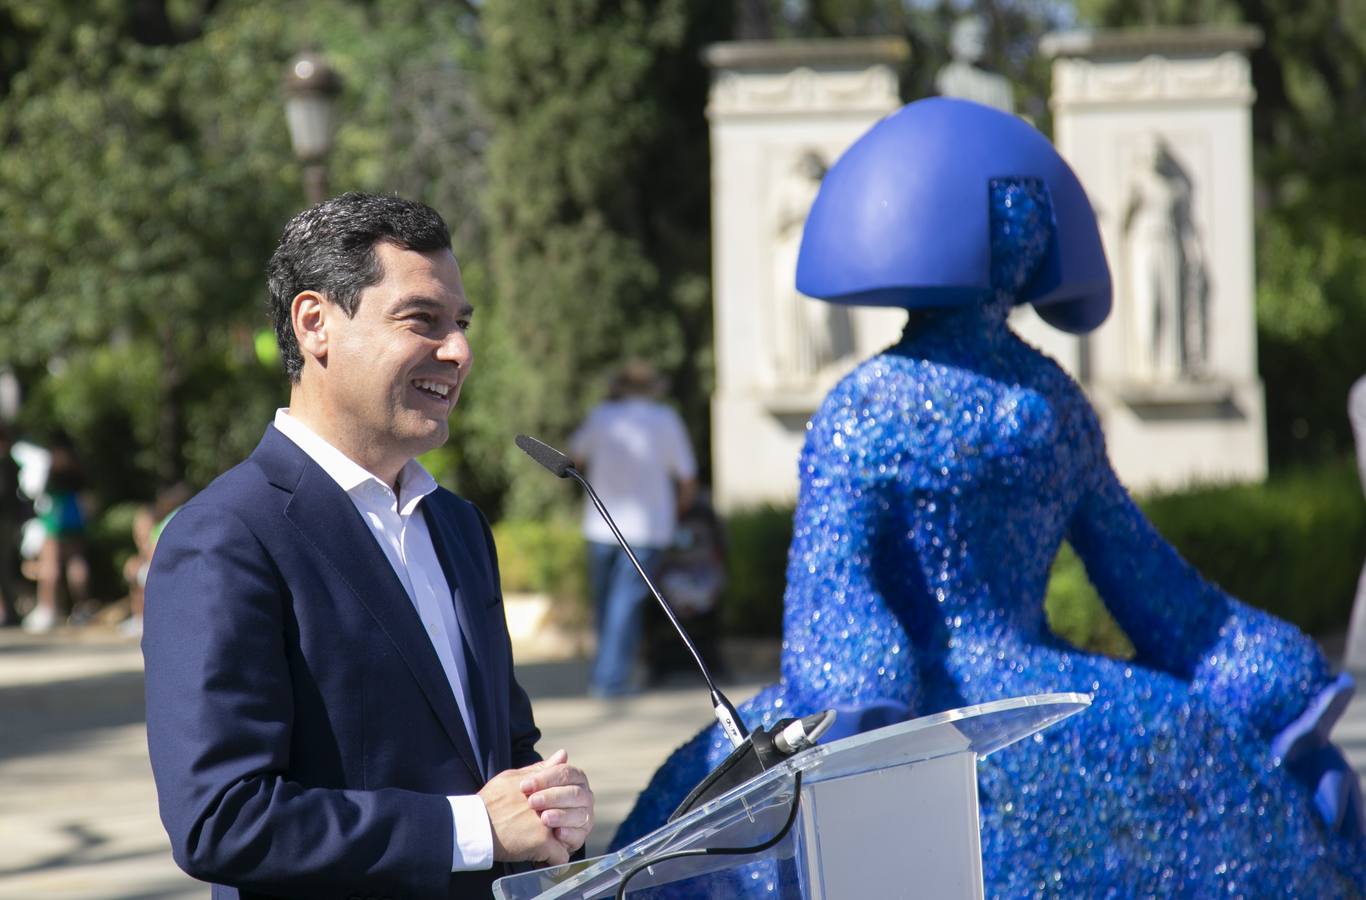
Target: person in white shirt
[(635, 452), (331, 707)]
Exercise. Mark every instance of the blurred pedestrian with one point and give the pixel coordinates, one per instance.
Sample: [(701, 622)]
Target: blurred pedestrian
[(691, 576), (1355, 658), (148, 521), (136, 566), (635, 451), (63, 574), (12, 513)]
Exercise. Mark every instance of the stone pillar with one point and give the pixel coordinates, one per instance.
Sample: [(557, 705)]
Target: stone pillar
[(781, 113), (1157, 125)]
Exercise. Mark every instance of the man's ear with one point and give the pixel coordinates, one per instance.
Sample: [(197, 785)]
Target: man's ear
[(308, 314)]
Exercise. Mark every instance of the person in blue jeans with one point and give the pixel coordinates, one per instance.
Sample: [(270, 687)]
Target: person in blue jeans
[(636, 453)]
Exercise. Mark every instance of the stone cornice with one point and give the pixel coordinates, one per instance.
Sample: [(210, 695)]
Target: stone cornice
[(862, 91), (1225, 78), (1128, 43), (840, 53)]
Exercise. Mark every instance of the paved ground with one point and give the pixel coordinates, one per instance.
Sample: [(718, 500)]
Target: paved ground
[(77, 808)]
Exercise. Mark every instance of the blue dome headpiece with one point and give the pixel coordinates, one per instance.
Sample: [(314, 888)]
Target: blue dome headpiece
[(903, 217)]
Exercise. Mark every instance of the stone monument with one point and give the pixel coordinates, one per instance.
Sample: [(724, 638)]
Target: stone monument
[(1157, 125), (781, 113), (962, 77)]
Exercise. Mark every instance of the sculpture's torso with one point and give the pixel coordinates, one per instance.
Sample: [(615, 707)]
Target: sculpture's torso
[(938, 480)]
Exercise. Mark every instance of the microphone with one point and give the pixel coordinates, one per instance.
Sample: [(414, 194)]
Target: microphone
[(558, 464), (753, 752), (563, 467)]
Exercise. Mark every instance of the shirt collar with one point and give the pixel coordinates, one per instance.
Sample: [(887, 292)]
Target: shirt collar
[(414, 481)]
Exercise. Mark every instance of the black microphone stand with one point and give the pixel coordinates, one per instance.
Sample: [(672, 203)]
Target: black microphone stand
[(751, 753), (730, 720)]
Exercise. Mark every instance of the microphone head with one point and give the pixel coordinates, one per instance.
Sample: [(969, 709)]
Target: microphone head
[(546, 455)]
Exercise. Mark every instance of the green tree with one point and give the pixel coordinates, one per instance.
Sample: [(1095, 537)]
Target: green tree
[(598, 205), (124, 192), (144, 179)]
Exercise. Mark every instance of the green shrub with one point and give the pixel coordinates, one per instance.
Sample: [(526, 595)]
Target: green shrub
[(547, 557), (1075, 612), (1292, 546), (756, 561)]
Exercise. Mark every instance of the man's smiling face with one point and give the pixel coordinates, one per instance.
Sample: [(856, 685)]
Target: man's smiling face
[(391, 374)]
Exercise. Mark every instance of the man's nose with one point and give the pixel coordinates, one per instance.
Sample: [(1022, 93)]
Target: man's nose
[(456, 348)]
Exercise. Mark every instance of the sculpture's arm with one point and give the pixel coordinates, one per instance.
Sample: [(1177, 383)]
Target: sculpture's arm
[(1255, 668)]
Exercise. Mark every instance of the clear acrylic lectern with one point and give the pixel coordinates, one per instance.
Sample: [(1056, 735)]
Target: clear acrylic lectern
[(888, 813)]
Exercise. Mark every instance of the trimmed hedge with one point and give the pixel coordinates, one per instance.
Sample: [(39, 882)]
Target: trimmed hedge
[(1293, 546), (545, 557), (756, 557)]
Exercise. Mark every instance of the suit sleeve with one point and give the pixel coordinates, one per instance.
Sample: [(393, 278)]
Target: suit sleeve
[(219, 720)]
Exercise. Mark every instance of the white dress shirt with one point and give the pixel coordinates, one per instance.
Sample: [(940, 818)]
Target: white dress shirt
[(401, 531)]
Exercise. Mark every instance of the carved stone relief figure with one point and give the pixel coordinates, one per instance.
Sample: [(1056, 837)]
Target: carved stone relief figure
[(1166, 283), (807, 336), (962, 77)]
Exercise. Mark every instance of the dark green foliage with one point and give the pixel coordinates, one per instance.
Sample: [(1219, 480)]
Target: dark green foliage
[(756, 559), (145, 176), (1293, 547), (598, 206), (547, 556)]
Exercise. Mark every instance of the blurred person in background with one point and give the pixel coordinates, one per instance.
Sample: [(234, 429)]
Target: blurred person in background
[(692, 575), (148, 521), (635, 451), (12, 514), (136, 566), (62, 572), (1355, 658)]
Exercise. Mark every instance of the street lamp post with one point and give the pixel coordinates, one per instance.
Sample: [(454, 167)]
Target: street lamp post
[(311, 89)]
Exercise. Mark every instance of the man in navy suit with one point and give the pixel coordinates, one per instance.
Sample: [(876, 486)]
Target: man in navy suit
[(331, 707)]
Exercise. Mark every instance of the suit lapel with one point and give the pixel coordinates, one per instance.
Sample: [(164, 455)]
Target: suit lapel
[(329, 521), (466, 579)]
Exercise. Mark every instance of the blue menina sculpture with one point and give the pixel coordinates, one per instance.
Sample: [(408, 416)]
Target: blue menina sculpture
[(938, 480)]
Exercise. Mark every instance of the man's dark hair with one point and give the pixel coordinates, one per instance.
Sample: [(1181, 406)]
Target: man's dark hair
[(330, 249)]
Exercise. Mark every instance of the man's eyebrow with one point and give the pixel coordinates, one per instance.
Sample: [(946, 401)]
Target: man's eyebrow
[(422, 301)]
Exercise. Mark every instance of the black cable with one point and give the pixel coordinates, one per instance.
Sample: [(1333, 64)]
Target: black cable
[(722, 851)]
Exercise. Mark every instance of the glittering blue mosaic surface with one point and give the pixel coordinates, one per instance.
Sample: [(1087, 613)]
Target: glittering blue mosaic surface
[(937, 482)]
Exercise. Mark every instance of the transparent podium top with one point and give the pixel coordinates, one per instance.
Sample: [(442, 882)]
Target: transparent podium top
[(754, 811)]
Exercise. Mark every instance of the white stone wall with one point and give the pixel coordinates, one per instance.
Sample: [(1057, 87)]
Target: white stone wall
[(780, 111), (777, 111), (1188, 91)]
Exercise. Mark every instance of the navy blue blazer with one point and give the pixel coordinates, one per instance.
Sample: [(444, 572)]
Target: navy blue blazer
[(302, 732)]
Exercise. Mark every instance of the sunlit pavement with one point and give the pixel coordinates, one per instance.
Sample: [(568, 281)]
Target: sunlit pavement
[(77, 808), (78, 814)]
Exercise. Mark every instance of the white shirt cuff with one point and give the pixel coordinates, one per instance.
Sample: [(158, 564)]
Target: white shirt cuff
[(473, 845)]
